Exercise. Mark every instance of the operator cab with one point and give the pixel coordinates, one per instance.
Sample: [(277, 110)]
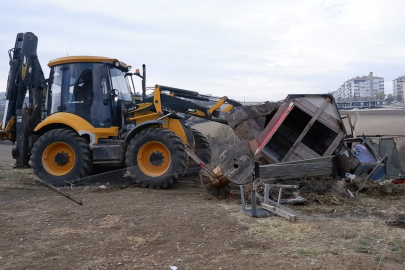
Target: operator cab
[(91, 87)]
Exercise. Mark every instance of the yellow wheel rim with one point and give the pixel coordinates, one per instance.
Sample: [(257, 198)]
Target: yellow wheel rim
[(153, 158), (58, 158)]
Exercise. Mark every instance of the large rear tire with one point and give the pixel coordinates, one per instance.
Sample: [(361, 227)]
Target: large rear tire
[(156, 158), (61, 156)]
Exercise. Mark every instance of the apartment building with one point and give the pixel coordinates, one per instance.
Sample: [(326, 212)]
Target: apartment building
[(361, 87), (398, 86)]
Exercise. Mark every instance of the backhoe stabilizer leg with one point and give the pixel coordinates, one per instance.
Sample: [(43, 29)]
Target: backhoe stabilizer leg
[(20, 152)]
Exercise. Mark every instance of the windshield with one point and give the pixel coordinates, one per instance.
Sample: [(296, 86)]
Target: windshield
[(120, 83)]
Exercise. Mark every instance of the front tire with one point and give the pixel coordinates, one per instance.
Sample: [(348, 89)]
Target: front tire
[(61, 156), (156, 158)]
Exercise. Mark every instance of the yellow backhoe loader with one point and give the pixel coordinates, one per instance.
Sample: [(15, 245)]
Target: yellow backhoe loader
[(86, 113)]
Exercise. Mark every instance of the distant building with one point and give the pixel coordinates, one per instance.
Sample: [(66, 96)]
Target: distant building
[(398, 86), (364, 87)]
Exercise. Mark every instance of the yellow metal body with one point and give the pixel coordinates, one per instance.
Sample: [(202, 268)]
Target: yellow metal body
[(85, 59), (227, 109), (140, 117), (156, 100), (217, 105), (6, 133), (24, 70), (80, 125), (147, 114), (150, 165), (140, 106), (172, 124), (175, 126), (48, 158)]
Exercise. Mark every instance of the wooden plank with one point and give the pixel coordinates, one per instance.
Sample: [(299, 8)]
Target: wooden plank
[(332, 147), (284, 175), (312, 160), (294, 157), (273, 125), (306, 129), (303, 152), (295, 170), (280, 212), (284, 186), (292, 166), (289, 171)]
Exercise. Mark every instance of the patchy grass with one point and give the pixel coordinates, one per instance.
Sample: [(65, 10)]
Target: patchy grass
[(231, 245), (137, 241), (397, 246), (365, 245), (278, 228), (66, 231), (109, 221), (97, 263), (301, 252), (16, 174)]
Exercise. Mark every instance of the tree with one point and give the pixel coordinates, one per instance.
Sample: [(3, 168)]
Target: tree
[(380, 96), (390, 98)]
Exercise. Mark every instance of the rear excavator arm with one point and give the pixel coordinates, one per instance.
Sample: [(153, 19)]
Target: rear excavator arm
[(25, 75)]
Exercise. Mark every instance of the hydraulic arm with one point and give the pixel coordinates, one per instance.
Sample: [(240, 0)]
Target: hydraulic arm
[(25, 75), (175, 100)]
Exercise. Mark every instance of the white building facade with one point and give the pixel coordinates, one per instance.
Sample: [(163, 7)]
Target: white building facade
[(364, 87), (398, 86)]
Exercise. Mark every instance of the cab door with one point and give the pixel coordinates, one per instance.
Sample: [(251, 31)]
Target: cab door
[(101, 114)]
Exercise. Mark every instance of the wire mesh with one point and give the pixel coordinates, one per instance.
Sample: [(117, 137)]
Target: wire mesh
[(392, 147), (112, 176), (116, 176)]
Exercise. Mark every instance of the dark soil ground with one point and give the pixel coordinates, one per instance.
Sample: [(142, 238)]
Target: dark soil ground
[(183, 227), (136, 228)]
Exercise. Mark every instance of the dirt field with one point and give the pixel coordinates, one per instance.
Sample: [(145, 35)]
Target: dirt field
[(137, 228), (5, 154), (382, 122)]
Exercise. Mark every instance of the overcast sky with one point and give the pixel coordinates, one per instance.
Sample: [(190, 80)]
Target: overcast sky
[(257, 50)]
